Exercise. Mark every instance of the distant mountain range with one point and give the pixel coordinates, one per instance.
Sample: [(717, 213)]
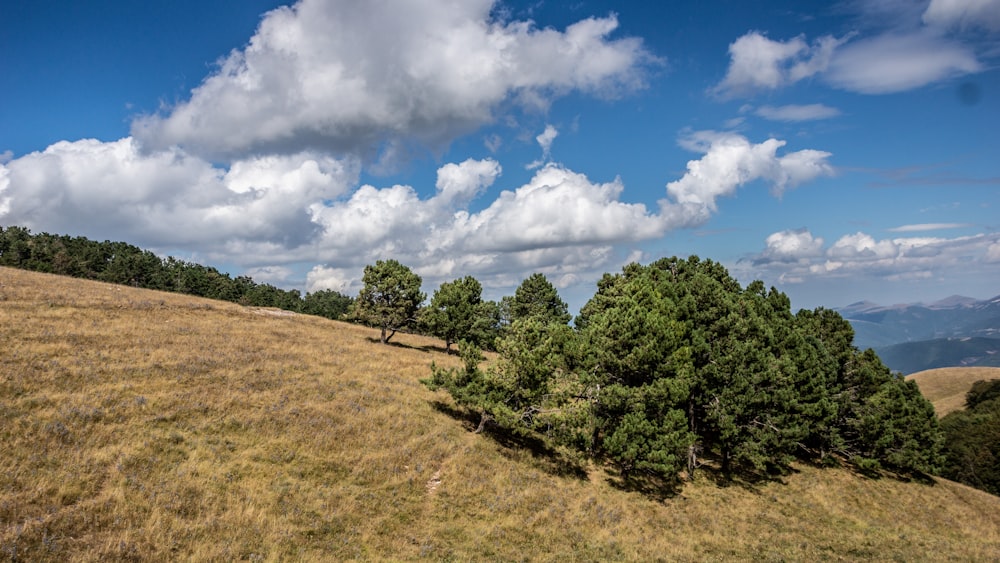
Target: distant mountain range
[(955, 331)]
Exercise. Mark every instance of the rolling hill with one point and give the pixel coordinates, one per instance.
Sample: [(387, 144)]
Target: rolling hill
[(138, 425), (945, 388)]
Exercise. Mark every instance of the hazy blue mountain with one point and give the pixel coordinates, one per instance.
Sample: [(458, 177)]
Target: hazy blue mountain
[(954, 331), (911, 357)]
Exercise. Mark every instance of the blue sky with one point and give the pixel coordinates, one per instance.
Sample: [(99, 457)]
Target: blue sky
[(837, 151)]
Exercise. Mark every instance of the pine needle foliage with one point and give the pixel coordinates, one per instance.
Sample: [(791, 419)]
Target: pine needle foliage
[(674, 366)]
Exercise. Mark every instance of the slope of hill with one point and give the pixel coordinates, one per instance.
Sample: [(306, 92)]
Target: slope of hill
[(945, 388), (151, 426), (912, 357)]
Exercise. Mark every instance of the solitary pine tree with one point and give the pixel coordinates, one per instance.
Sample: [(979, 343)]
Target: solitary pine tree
[(390, 297)]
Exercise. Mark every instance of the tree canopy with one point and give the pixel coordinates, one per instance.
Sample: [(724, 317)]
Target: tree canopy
[(536, 297), (674, 365), (453, 308), (390, 297), (972, 439)]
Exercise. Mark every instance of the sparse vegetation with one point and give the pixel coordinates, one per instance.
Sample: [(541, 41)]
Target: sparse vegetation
[(141, 425)]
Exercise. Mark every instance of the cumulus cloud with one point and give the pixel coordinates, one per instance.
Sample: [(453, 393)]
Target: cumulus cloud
[(903, 56), (760, 63), (798, 256), (353, 77), (559, 215), (560, 221), (275, 214), (808, 112), (168, 198), (790, 246), (344, 281), (558, 206), (731, 161), (963, 14), (861, 246)]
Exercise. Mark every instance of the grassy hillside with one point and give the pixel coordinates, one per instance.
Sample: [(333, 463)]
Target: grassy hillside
[(946, 387), (138, 425)]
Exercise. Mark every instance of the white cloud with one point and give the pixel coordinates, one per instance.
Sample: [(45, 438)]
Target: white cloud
[(791, 246), (963, 14), (808, 112), (993, 252), (457, 184), (731, 161), (355, 76), (544, 139), (902, 58), (559, 215), (897, 62), (557, 207), (918, 227), (280, 214), (275, 275), (760, 63), (493, 142), (344, 281), (861, 246), (797, 255), (169, 198)]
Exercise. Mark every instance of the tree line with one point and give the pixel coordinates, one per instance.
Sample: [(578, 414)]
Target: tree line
[(674, 367), (972, 451), (391, 300), (123, 263)]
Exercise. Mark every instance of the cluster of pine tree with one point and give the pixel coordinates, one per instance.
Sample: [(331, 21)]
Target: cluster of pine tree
[(972, 451), (674, 365), (122, 263)]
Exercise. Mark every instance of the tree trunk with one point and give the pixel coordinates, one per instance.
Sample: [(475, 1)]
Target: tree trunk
[(692, 461), (387, 334), (482, 422)]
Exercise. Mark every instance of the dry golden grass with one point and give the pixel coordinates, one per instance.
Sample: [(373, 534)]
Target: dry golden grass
[(946, 387), (137, 425)]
